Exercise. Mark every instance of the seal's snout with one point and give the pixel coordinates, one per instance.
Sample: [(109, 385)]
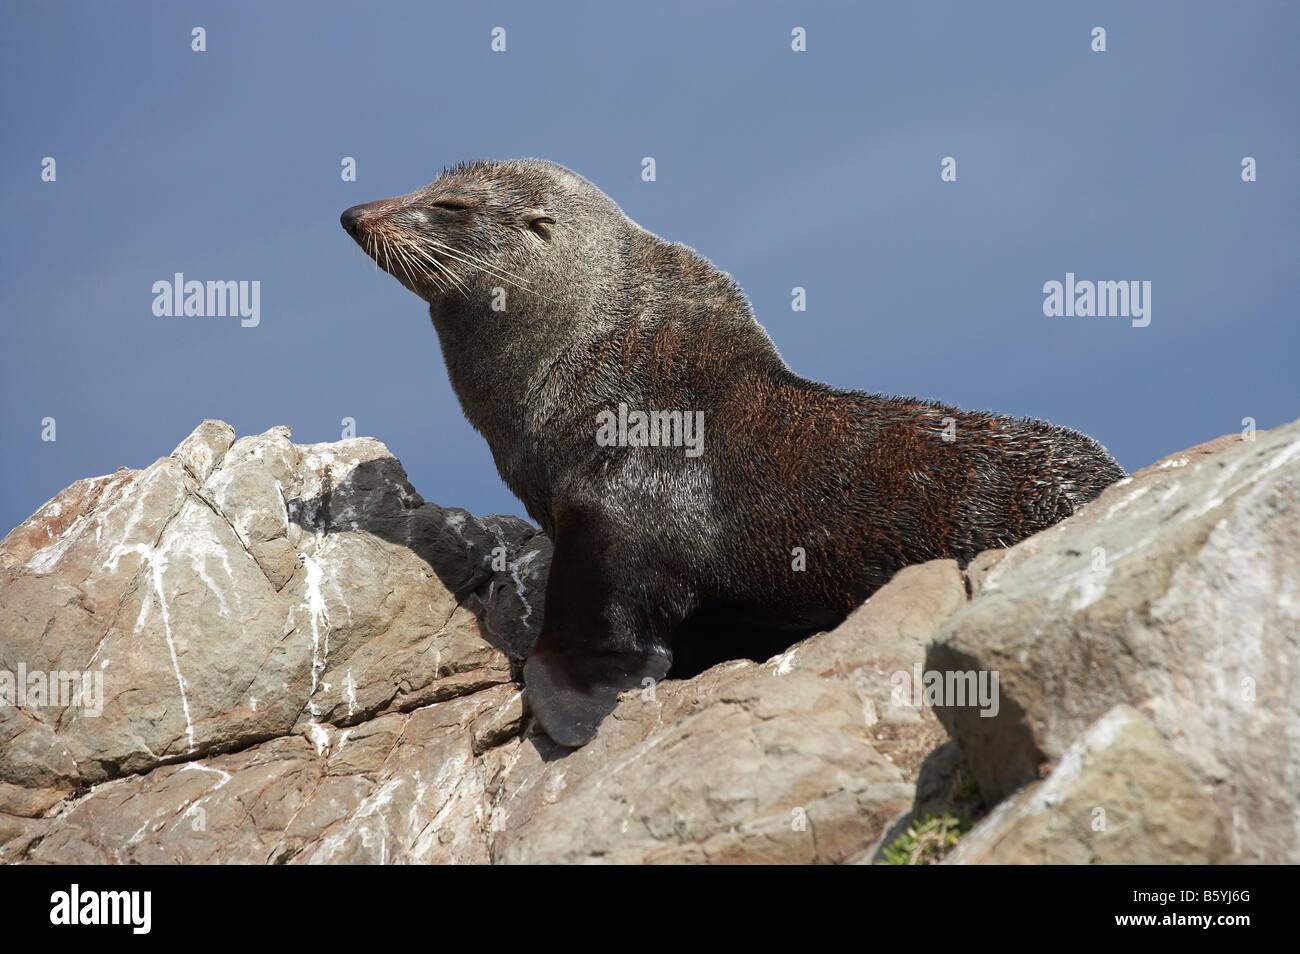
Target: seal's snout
[(349, 220)]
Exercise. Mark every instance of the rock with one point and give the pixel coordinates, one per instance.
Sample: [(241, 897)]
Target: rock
[(1119, 795), (511, 607), (1176, 594), (304, 662), (718, 768), (203, 450), (936, 780), (880, 644), (231, 593)]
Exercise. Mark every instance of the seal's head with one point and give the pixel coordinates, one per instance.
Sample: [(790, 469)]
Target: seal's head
[(487, 225), (529, 270)]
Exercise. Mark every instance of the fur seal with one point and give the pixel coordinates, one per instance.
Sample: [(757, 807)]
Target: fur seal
[(572, 336)]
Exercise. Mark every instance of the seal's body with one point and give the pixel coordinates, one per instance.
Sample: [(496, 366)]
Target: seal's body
[(562, 322)]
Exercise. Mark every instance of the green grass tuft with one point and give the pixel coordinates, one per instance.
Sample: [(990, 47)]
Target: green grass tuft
[(926, 841)]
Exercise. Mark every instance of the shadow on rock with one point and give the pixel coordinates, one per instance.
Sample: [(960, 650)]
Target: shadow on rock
[(496, 565)]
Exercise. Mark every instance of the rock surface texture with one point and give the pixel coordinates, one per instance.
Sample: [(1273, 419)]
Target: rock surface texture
[(1149, 655), (301, 661)]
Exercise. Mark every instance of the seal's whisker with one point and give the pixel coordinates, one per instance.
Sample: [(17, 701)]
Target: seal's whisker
[(495, 270), (421, 254), (413, 258), (382, 246), (412, 269), (440, 276), (459, 257), (395, 261), (424, 255), (471, 259), (497, 275)]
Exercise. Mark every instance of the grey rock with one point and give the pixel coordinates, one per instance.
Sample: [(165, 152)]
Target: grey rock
[(210, 628), (202, 452), (305, 662), (1177, 592), (1118, 795)]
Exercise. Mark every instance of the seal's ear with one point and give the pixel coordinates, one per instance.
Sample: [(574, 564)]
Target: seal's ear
[(594, 644)]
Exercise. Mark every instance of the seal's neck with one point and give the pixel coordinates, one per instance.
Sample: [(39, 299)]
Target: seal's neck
[(496, 367), (532, 368), (503, 344)]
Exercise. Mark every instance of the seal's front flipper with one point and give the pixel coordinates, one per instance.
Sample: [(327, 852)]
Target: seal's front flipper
[(572, 692), (599, 637)]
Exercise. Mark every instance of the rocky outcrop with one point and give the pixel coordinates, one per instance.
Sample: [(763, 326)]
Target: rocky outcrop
[(301, 661), (1118, 795), (235, 592), (1149, 658)]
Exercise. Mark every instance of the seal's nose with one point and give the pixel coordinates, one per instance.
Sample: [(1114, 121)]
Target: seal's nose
[(349, 220)]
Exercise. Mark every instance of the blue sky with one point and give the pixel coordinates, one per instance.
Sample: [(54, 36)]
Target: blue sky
[(816, 169)]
